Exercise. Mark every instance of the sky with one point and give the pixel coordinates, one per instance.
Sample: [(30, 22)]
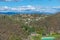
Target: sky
[(15, 3), (41, 5)]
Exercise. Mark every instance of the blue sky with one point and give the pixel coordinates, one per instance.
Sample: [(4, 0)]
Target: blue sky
[(36, 5), (31, 2)]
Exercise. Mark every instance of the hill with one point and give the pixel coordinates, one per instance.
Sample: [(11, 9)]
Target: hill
[(20, 26)]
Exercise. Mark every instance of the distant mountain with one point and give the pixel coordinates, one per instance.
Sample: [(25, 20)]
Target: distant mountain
[(26, 12), (9, 13)]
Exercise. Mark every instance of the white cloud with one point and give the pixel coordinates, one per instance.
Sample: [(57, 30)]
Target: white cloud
[(56, 7), (4, 8), (27, 7), (48, 9), (13, 8), (30, 7)]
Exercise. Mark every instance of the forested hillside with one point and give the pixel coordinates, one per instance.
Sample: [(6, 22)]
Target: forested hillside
[(20, 26)]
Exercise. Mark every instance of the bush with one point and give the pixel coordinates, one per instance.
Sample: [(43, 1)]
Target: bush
[(14, 37)]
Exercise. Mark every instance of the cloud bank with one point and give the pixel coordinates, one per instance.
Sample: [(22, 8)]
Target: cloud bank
[(30, 8)]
